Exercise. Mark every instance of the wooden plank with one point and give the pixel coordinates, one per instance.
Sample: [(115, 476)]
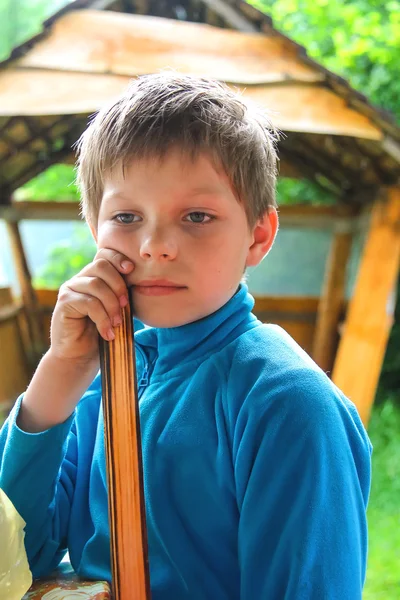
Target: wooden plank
[(6, 296), (14, 370), (313, 109), (296, 315), (371, 312), (8, 313), (296, 107), (332, 300), (47, 300), (123, 44), (287, 304)]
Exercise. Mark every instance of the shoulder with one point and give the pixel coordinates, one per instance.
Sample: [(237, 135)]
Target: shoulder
[(267, 359), (271, 379), (283, 407)]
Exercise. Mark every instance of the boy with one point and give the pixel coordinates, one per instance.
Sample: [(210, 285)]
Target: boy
[(256, 467)]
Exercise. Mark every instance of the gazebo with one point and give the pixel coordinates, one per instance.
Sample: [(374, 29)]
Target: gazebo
[(87, 53)]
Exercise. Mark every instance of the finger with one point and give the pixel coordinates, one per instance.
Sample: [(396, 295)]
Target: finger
[(107, 272), (121, 262), (83, 305), (99, 289)]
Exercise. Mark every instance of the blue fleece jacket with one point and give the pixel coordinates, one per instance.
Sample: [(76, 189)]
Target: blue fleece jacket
[(256, 470)]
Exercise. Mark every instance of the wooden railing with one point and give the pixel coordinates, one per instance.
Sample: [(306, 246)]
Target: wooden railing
[(297, 315)]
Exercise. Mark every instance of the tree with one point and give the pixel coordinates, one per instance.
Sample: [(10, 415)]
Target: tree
[(22, 19), (358, 39)]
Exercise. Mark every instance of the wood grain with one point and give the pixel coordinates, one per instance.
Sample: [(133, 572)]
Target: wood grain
[(370, 315), (129, 556), (94, 41), (299, 107)]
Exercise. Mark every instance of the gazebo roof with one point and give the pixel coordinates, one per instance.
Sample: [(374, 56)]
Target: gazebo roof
[(83, 58)]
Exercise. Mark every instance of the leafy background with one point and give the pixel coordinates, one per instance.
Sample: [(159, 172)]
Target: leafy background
[(360, 40)]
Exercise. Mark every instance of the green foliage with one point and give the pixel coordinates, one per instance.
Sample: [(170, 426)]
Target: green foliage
[(383, 574), (390, 377), (66, 259), (301, 191), (358, 39), (22, 19), (384, 431), (57, 183)]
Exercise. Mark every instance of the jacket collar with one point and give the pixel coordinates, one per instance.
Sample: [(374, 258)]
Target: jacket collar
[(169, 349)]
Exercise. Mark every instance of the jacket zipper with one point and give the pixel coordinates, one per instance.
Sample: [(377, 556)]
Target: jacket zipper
[(144, 380)]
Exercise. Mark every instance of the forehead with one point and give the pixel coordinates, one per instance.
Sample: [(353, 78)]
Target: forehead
[(175, 173)]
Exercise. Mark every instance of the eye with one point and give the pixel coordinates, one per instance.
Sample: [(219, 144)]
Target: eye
[(199, 218), (126, 218)]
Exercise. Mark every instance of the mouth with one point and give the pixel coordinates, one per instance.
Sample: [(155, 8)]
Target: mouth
[(157, 287)]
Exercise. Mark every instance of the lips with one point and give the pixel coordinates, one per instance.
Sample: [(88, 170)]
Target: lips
[(158, 283), (158, 287)]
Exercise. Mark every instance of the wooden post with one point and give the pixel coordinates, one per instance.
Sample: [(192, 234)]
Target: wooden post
[(332, 297), (371, 311), (29, 300)]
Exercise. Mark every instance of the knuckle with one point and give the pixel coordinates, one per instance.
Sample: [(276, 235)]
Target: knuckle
[(116, 256), (102, 263), (99, 254), (107, 254), (121, 288), (95, 285), (93, 303), (63, 293), (113, 306)]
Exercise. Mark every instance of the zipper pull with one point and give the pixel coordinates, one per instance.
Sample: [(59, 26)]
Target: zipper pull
[(145, 377)]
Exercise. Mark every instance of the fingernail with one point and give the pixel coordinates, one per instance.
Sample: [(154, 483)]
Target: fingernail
[(117, 321), (110, 335), (123, 301), (126, 264)]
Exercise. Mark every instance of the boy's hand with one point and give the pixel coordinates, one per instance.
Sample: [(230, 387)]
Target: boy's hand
[(88, 304)]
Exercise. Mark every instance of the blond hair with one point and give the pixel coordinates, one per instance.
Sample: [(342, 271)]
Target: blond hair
[(168, 110)]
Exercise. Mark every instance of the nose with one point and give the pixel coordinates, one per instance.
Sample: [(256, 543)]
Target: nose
[(158, 245)]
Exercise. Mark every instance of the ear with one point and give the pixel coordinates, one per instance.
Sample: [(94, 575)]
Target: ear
[(264, 233), (93, 231)]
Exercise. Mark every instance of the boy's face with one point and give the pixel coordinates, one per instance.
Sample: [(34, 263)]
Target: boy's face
[(179, 221)]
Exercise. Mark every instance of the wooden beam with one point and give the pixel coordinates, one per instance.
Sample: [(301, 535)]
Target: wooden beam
[(332, 299), (296, 215), (299, 107), (29, 300), (41, 211), (371, 311)]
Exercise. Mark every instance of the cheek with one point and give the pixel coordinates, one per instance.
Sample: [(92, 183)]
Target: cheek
[(111, 237), (221, 259)]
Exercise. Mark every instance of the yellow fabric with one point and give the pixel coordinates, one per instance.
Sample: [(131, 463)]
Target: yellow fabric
[(15, 576)]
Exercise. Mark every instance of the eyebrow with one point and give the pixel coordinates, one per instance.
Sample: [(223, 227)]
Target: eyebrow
[(197, 191)]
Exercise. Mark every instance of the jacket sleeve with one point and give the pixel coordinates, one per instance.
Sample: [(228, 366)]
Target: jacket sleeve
[(37, 472), (302, 463)]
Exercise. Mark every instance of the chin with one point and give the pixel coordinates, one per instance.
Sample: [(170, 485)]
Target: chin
[(161, 321)]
